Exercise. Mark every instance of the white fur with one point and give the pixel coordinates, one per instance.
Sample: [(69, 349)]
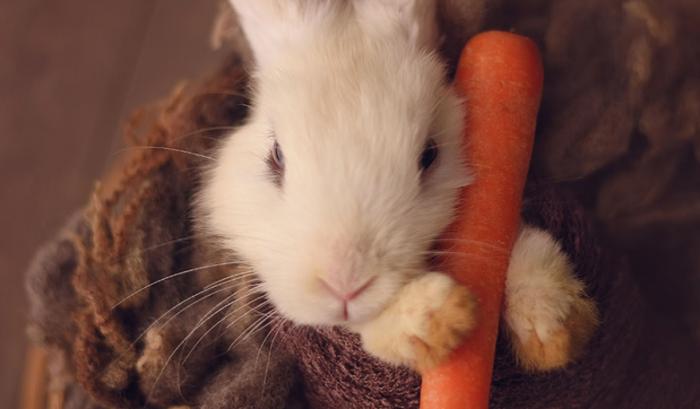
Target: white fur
[(393, 333), (540, 286), (352, 91), (352, 109), (413, 20)]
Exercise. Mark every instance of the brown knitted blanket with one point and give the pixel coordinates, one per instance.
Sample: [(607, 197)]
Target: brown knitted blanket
[(615, 178)]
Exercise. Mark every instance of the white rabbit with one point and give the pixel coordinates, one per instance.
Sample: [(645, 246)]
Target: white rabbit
[(346, 173)]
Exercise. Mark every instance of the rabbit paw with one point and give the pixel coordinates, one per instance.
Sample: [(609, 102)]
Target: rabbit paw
[(547, 314), (427, 321)]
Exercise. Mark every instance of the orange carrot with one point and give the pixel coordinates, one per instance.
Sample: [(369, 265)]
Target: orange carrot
[(500, 76)]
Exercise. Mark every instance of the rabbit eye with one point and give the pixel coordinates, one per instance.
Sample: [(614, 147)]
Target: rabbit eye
[(430, 153), (277, 155), (276, 163)]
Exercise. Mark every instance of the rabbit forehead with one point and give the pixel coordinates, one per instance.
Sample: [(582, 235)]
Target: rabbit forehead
[(351, 88)]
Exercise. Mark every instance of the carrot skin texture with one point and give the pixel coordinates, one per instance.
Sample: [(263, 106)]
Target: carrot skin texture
[(500, 75)]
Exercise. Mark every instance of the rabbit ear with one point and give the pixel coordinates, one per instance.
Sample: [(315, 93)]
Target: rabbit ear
[(415, 20), (274, 25)]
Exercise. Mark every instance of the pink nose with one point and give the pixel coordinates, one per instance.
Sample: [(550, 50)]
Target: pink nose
[(345, 296)]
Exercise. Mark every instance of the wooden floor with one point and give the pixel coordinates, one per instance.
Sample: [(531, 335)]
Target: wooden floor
[(70, 71)]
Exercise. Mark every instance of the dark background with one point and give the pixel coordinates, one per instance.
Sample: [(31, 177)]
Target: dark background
[(70, 72)]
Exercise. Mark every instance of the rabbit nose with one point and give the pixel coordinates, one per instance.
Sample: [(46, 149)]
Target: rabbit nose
[(344, 295)]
